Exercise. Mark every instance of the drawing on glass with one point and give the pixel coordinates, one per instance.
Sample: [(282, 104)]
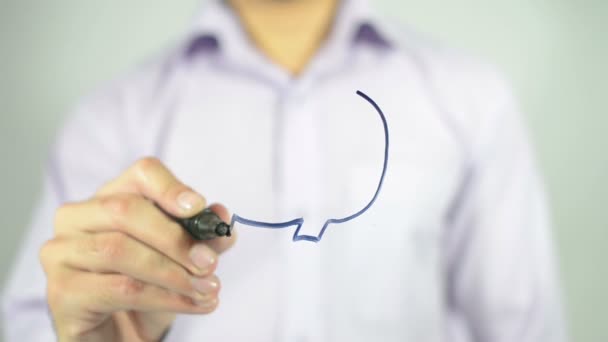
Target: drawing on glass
[(300, 221)]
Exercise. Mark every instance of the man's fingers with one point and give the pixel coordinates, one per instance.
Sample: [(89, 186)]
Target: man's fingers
[(108, 293), (143, 221), (151, 179), (115, 252), (122, 250)]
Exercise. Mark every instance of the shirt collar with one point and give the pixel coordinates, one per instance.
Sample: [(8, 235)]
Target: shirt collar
[(216, 28)]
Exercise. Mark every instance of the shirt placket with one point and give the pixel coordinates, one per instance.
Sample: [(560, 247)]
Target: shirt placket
[(300, 156)]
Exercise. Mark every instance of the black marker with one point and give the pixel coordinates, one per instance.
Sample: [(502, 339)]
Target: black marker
[(205, 225)]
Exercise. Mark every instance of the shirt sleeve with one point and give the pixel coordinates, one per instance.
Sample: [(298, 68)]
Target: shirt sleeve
[(501, 277), (89, 151)]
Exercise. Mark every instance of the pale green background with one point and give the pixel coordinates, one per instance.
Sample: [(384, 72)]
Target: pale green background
[(555, 53)]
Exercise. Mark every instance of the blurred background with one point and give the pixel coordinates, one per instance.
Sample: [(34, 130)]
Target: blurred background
[(554, 51)]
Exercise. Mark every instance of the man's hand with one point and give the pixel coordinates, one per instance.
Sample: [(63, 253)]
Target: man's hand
[(119, 268)]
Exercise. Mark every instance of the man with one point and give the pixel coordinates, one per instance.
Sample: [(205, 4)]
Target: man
[(256, 109)]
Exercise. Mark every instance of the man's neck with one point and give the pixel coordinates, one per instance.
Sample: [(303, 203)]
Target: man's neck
[(289, 32)]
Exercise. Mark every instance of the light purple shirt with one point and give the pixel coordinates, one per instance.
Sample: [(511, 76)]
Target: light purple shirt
[(456, 248)]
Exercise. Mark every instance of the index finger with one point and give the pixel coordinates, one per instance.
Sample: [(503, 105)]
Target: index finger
[(150, 178)]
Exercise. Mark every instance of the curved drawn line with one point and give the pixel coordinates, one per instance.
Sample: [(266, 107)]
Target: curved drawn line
[(300, 221)]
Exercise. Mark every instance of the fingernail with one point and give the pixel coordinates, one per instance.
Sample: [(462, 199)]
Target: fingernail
[(189, 200), (202, 256), (205, 286), (207, 303)]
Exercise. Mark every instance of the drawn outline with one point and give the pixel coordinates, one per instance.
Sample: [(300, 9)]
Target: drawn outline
[(300, 221)]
